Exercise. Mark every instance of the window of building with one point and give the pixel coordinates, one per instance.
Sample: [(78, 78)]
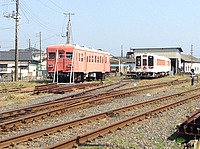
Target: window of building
[(3, 67), (51, 55)]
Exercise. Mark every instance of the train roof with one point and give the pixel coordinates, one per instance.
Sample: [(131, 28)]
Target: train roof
[(80, 48)]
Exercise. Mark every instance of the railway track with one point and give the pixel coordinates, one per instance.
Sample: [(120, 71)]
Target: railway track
[(78, 140), (112, 127), (12, 114), (32, 113)]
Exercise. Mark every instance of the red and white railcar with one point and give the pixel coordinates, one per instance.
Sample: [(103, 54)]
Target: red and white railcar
[(152, 65), (73, 63)]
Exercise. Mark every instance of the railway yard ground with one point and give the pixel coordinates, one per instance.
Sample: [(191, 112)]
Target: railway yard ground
[(118, 113)]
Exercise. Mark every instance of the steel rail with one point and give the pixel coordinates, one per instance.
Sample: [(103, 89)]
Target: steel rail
[(118, 125), (71, 104), (68, 106), (23, 137), (52, 104)]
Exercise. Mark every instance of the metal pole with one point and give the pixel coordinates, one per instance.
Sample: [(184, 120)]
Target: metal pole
[(191, 55), (72, 65), (40, 51), (16, 40)]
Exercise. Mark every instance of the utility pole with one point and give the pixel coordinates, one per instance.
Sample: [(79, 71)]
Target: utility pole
[(191, 56), (16, 39), (68, 26), (29, 44), (40, 51)]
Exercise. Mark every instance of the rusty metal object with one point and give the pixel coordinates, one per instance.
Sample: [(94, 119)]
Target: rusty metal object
[(191, 126)]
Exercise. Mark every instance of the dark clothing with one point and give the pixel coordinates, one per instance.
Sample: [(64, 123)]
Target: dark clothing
[(192, 75)]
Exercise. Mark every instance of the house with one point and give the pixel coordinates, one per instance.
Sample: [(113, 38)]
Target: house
[(28, 65), (189, 62)]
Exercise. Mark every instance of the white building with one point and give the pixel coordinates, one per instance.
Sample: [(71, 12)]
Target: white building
[(189, 62), (27, 67)]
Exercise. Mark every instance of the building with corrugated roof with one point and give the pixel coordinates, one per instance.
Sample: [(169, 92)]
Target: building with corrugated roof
[(190, 62)]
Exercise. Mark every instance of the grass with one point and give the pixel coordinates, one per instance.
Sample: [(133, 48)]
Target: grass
[(180, 140)]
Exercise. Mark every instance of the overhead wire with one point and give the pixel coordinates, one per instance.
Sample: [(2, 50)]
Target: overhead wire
[(49, 7), (57, 5), (34, 17)]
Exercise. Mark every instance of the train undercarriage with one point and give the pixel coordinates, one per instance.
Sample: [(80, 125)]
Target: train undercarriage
[(76, 77), (151, 74)]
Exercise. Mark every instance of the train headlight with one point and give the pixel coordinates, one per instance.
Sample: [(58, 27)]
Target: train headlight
[(144, 68)]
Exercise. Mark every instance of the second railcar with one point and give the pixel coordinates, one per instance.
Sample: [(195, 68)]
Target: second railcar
[(152, 66), (73, 63)]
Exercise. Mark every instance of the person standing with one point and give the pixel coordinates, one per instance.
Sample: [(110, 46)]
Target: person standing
[(192, 75)]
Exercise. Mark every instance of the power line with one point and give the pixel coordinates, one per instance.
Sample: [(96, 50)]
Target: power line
[(57, 6), (49, 7), (34, 17)]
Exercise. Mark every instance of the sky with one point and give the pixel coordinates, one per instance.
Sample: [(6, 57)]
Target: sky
[(111, 25)]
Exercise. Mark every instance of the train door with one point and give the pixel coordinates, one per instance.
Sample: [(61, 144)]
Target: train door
[(85, 62), (150, 61), (104, 64), (61, 60)]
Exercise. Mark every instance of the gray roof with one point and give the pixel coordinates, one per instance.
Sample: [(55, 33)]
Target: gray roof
[(10, 56), (188, 58), (167, 48)]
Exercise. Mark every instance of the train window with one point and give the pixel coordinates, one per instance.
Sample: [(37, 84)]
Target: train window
[(77, 56), (60, 55), (69, 55), (150, 61), (52, 55), (144, 62), (81, 57), (89, 58), (138, 61), (95, 59), (92, 58)]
